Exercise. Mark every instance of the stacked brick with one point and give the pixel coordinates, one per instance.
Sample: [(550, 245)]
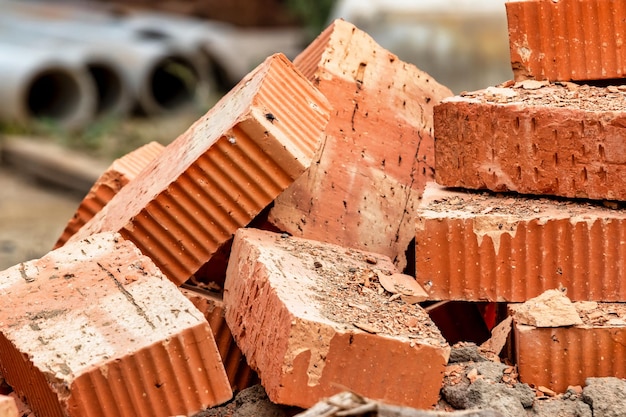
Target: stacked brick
[(536, 144)]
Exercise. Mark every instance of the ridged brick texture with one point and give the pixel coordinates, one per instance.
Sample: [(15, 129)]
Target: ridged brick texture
[(8, 408), (567, 39), (562, 356), (378, 152), (481, 247), (289, 315), (559, 140), (239, 374), (217, 176), (119, 173), (95, 329)]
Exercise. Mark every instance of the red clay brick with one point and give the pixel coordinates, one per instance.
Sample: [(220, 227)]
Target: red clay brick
[(567, 39), (8, 408), (378, 152), (294, 308), (95, 329), (222, 172), (484, 247), (561, 140), (556, 357), (120, 173), (239, 374)]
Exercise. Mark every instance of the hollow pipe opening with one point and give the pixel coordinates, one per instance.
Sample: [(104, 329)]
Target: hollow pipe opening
[(53, 94), (173, 83), (109, 88)]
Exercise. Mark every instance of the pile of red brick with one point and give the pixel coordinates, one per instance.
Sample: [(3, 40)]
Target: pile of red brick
[(269, 241)]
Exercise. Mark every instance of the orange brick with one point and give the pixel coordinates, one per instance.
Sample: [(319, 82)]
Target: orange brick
[(212, 306), (561, 140), (312, 319), (95, 329), (120, 173), (8, 408), (378, 152), (481, 247), (222, 172), (557, 357), (567, 39)]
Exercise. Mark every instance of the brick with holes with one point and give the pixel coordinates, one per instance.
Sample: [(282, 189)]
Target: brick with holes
[(534, 138), (313, 320), (377, 154), (219, 174)]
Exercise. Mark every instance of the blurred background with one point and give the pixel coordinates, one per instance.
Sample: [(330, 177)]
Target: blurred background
[(85, 82)]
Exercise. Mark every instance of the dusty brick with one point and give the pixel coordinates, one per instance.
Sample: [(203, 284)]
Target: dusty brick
[(484, 247), (8, 408), (222, 172), (558, 357), (117, 175), (239, 374), (295, 311), (567, 39), (377, 155), (555, 140), (95, 329)]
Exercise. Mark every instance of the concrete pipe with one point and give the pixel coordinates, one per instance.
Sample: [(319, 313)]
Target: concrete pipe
[(45, 85), (163, 75), (112, 94)]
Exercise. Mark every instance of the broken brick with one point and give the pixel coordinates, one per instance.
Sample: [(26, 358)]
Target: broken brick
[(100, 331), (377, 154), (558, 140), (212, 306), (557, 357), (567, 39), (222, 172), (312, 319), (484, 247), (119, 173)]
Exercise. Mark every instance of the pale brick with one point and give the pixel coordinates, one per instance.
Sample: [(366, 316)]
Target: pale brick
[(217, 176), (95, 329), (8, 408), (295, 311), (485, 247), (554, 140), (377, 155)]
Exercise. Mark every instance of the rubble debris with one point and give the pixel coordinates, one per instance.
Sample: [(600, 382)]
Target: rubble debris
[(550, 309), (558, 357), (221, 173), (250, 402), (370, 170), (212, 306), (605, 396), (550, 141), (312, 318), (566, 39), (116, 176), (100, 331), (499, 337), (477, 246)]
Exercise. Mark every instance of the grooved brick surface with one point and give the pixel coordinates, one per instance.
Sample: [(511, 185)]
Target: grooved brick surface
[(120, 173), (217, 176), (292, 312), (567, 39), (561, 356), (212, 306), (481, 247), (559, 140), (95, 329), (377, 155)]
